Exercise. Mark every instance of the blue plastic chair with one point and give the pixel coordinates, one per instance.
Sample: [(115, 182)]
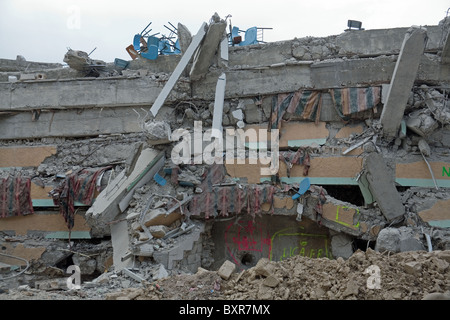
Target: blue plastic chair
[(137, 42), (250, 37), (121, 63), (152, 48), (234, 34), (177, 49), (165, 47), (304, 186)]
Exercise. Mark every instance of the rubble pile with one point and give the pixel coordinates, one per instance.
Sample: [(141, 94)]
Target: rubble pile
[(402, 276)]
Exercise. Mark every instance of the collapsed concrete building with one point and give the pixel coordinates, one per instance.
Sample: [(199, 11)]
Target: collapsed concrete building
[(361, 123)]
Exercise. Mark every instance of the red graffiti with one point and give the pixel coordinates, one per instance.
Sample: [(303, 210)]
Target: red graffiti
[(248, 237)]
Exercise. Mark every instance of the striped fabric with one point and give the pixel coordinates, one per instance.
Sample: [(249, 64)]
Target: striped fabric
[(15, 196), (353, 100), (307, 103), (304, 103)]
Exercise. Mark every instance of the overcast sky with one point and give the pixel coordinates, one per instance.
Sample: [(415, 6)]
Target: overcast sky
[(42, 30)]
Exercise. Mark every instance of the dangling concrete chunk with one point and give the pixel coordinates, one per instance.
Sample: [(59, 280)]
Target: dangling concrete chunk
[(185, 37), (206, 52), (403, 80), (382, 187)]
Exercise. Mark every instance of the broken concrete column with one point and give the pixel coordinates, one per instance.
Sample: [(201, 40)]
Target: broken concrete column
[(402, 80), (184, 36), (382, 187), (202, 59)]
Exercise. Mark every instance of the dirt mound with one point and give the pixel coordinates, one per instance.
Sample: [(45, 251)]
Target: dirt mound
[(366, 275)]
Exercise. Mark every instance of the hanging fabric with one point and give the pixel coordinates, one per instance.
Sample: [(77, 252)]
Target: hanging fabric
[(352, 100), (79, 186), (15, 196)]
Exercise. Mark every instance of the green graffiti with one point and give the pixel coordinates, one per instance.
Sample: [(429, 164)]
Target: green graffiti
[(445, 171), (343, 223)]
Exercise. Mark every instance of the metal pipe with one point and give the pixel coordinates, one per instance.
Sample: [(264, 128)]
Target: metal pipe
[(18, 258)]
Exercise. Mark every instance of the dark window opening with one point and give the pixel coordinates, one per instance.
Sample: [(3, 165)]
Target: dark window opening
[(363, 245), (346, 193)]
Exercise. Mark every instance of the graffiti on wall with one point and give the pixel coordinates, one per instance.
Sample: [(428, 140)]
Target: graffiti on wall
[(289, 242), (248, 236), (351, 212)]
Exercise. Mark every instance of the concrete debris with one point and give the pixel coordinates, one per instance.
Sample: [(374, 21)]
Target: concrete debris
[(158, 132), (226, 270), (399, 240), (424, 148), (421, 122), (80, 61), (341, 245), (160, 217), (115, 198), (233, 230)]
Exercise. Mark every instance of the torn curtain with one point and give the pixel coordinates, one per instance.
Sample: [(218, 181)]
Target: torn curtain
[(307, 104), (15, 196), (80, 187), (353, 100)]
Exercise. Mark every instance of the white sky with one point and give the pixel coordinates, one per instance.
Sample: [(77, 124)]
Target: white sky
[(42, 30)]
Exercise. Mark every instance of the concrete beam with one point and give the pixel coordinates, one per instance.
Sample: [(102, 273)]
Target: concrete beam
[(403, 78), (71, 123), (382, 187), (83, 93), (369, 43), (143, 91), (254, 82), (206, 52), (29, 66), (179, 69), (350, 73)]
